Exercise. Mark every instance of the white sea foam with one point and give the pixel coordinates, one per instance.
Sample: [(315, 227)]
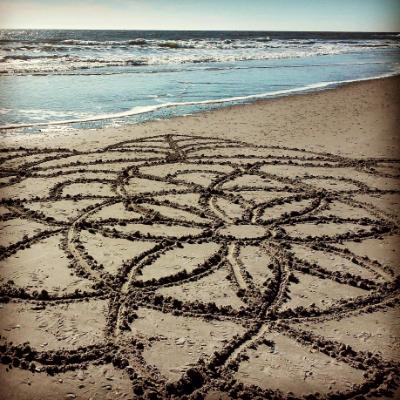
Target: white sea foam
[(151, 108), (81, 55)]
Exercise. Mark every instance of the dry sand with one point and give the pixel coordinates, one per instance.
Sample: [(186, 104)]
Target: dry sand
[(246, 253)]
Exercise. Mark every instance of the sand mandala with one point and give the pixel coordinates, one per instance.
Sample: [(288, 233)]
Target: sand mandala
[(188, 267)]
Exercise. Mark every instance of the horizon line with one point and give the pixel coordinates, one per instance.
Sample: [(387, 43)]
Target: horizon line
[(194, 30)]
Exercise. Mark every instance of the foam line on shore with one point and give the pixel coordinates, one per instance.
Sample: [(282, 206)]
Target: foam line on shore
[(150, 108)]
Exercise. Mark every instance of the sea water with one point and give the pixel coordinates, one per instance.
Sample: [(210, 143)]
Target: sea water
[(55, 79)]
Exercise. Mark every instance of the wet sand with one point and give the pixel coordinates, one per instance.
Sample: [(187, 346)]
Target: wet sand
[(245, 253)]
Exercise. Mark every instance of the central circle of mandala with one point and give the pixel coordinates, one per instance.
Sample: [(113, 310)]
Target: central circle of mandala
[(245, 231)]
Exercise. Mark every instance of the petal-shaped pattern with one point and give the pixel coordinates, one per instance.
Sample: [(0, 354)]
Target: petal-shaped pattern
[(63, 210), (57, 326), (112, 252), (156, 230), (374, 332), (105, 382), (186, 258), (324, 228), (285, 363), (181, 341), (322, 293), (17, 230), (142, 185), (43, 266), (212, 288), (176, 214)]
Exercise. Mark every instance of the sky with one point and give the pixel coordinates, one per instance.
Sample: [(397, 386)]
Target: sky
[(300, 15)]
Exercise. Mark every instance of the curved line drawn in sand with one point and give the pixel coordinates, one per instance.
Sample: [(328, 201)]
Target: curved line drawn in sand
[(195, 267)]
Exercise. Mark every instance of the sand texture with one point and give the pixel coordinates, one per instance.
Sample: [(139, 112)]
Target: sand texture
[(246, 253)]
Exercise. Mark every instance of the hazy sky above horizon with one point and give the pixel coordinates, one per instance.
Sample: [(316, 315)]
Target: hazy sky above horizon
[(323, 15)]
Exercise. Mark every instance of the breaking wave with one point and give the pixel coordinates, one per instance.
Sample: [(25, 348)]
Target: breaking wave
[(41, 53)]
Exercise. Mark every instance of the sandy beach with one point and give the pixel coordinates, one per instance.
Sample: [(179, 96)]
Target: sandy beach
[(249, 252)]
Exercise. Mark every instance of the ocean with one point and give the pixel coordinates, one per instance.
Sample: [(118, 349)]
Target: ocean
[(68, 79)]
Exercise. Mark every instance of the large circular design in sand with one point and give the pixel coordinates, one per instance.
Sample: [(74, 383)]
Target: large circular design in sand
[(193, 267)]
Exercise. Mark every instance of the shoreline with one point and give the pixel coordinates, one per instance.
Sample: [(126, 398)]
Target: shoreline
[(229, 101), (377, 96)]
